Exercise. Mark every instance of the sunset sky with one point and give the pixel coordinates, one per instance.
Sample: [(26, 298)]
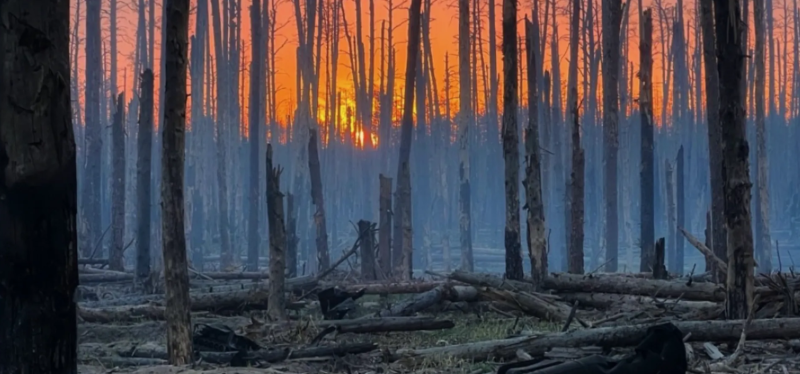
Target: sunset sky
[(444, 41)]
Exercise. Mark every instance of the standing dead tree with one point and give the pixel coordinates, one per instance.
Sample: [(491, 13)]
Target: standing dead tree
[(91, 231), (176, 269), (254, 136), (143, 191), (277, 241), (719, 241), (612, 15), (735, 167), (511, 141), (537, 242), (575, 260), (464, 120), (647, 166), (402, 207), (38, 209), (764, 252)]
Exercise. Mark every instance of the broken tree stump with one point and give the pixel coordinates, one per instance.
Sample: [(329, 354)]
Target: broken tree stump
[(659, 269)]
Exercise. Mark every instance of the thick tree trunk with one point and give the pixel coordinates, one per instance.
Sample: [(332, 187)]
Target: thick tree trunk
[(254, 197), (536, 239), (735, 150), (118, 187), (762, 234), (143, 192), (719, 241), (647, 166), (385, 230), (176, 272), (511, 141), (575, 261), (672, 224), (612, 16), (38, 211), (402, 231), (464, 119), (276, 306)]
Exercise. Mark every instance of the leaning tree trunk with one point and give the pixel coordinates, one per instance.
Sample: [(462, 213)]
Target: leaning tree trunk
[(402, 231), (38, 211), (612, 16), (537, 242), (735, 167), (719, 241), (277, 242), (762, 178), (647, 167), (176, 272), (143, 192), (118, 187), (464, 119), (511, 141)]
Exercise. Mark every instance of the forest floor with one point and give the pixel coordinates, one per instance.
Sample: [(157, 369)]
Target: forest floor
[(466, 323)]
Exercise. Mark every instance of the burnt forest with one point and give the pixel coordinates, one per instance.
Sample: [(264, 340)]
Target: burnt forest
[(399, 186)]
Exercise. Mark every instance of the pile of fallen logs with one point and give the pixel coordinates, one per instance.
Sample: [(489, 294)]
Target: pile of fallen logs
[(596, 310)]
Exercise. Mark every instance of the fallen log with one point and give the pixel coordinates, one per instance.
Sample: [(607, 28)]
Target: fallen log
[(247, 275), (387, 288), (92, 261), (608, 337), (635, 286), (427, 299), (104, 278), (634, 302), (388, 324), (529, 303), (287, 353), (486, 280)]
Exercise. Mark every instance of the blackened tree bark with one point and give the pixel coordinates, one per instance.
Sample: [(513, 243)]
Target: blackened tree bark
[(277, 241), (719, 241), (575, 261), (38, 190), (367, 250), (176, 272), (90, 189), (537, 242), (464, 119), (735, 168), (291, 236), (118, 186), (511, 141), (762, 176), (385, 229), (612, 17), (647, 167), (323, 258), (253, 239), (402, 228), (143, 192)]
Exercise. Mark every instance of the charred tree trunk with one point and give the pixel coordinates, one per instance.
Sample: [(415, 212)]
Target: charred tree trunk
[(385, 230), (176, 272), (676, 262), (323, 258), (612, 16), (367, 251), (277, 242), (38, 211), (764, 253), (291, 236), (647, 166), (537, 242), (90, 189), (402, 228), (464, 119), (511, 141), (143, 192), (672, 226), (254, 137), (118, 187), (718, 233), (735, 168), (575, 261)]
